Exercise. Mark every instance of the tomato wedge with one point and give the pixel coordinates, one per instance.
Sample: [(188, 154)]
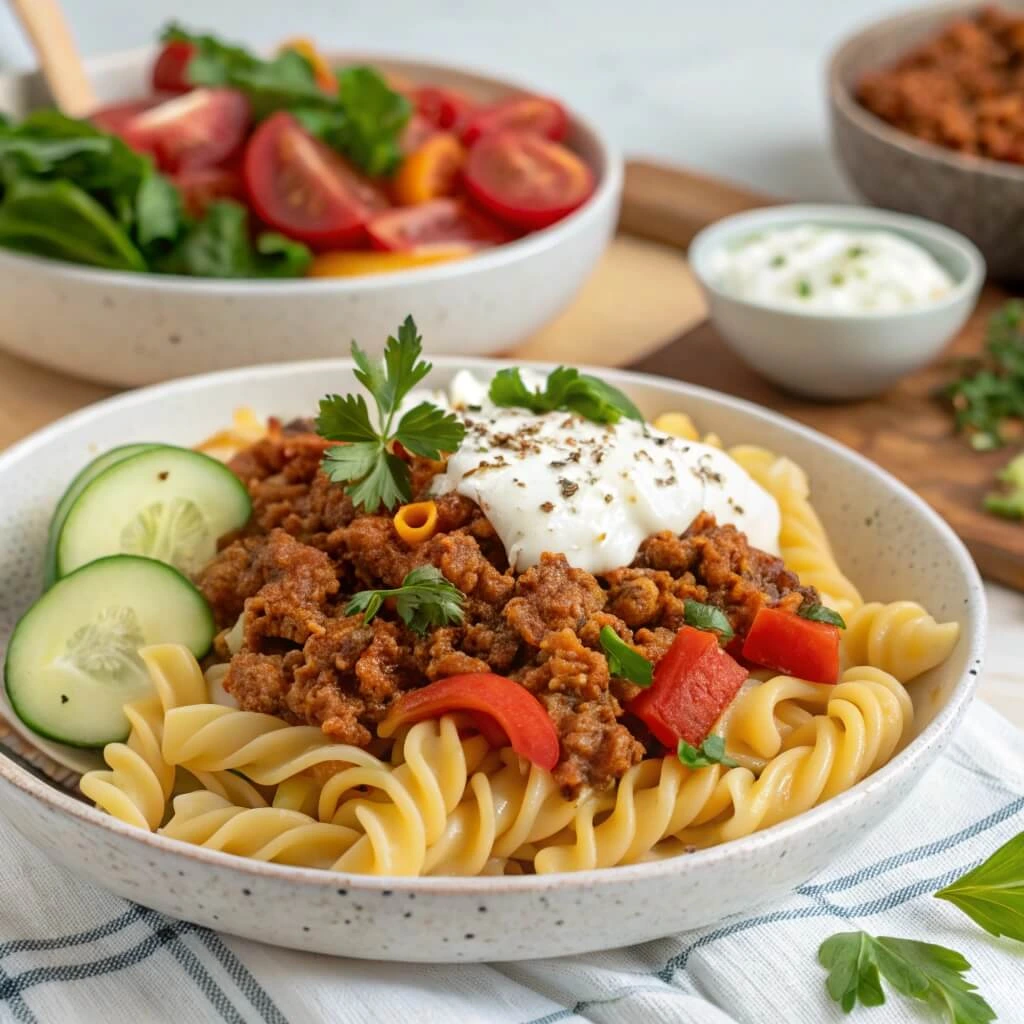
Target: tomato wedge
[(200, 188), (416, 131), (445, 109), (535, 115), (114, 117), (355, 263), (522, 717), (800, 647), (442, 222), (432, 171), (300, 186), (170, 72), (693, 684), (526, 180), (201, 128)]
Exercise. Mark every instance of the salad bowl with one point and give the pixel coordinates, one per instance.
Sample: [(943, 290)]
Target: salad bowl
[(127, 328), (894, 547)]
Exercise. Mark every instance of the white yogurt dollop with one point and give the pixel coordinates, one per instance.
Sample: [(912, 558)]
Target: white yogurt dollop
[(830, 270), (560, 483)]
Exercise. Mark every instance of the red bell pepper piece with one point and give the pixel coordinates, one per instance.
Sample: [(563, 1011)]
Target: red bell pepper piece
[(786, 642), (519, 714), (693, 684)]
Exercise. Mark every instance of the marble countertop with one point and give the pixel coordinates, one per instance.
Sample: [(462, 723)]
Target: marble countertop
[(735, 90)]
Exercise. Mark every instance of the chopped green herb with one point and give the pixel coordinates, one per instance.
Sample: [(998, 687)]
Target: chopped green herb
[(778, 261), (623, 661), (819, 613), (374, 474), (566, 388), (857, 962), (711, 751), (803, 288), (1008, 503), (992, 894), (837, 279), (424, 599), (707, 616), (856, 251)]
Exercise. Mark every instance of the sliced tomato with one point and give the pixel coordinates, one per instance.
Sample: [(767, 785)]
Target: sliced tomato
[(321, 69), (519, 714), (526, 180), (170, 72), (785, 642), (446, 109), (416, 131), (355, 263), (114, 117), (441, 222), (693, 684), (200, 188), (198, 129), (432, 171), (535, 115), (301, 187)]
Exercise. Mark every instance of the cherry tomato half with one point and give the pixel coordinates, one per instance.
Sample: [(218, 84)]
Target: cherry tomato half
[(526, 180), (201, 128), (440, 222), (114, 117), (416, 131), (200, 188), (536, 115), (300, 186), (446, 109), (170, 72), (431, 171)]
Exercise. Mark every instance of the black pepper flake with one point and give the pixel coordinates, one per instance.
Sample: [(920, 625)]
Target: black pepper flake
[(558, 464), (659, 441), (567, 487), (63, 698), (608, 499), (548, 506)]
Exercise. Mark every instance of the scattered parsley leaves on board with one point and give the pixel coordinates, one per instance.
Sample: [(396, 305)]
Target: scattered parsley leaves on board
[(566, 389), (366, 462), (424, 599), (711, 751), (623, 661)]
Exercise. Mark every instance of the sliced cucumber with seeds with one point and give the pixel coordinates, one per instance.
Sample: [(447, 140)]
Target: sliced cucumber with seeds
[(72, 663), (75, 488), (171, 504)]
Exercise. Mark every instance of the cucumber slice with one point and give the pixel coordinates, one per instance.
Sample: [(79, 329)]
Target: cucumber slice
[(72, 663), (171, 504), (75, 488)]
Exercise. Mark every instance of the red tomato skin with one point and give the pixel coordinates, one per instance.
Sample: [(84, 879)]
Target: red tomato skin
[(799, 647), (201, 188), (446, 109), (113, 117), (416, 131), (693, 684), (537, 115), (478, 169), (452, 221), (171, 67), (514, 709), (342, 225)]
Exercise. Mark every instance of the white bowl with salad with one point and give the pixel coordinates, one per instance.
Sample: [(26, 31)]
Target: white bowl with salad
[(222, 209)]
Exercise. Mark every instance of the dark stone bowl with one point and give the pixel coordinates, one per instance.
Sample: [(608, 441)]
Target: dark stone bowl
[(981, 198)]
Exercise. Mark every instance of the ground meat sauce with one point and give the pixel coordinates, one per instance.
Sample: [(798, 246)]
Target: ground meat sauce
[(306, 551)]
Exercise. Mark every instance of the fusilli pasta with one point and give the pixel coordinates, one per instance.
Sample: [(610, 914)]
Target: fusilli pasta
[(900, 637)]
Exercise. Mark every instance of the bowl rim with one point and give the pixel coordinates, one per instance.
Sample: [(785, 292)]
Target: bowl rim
[(844, 102), (931, 741), (726, 230), (608, 170)]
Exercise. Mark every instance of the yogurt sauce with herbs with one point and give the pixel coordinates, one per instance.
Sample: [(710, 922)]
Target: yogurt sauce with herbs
[(830, 270), (561, 483)]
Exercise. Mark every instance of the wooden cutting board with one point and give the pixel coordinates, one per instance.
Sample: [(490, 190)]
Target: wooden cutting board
[(642, 309)]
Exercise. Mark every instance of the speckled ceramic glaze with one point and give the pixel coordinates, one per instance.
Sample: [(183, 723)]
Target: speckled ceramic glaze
[(130, 329), (982, 198), (886, 538)]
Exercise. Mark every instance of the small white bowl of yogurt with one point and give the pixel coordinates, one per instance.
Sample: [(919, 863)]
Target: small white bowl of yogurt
[(836, 302)]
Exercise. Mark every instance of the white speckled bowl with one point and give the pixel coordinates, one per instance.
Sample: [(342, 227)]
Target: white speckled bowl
[(130, 329), (892, 544)]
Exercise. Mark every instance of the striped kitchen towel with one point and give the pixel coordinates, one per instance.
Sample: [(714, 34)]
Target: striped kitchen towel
[(70, 952)]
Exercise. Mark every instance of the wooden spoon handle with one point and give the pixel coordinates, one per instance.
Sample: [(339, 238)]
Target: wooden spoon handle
[(48, 31)]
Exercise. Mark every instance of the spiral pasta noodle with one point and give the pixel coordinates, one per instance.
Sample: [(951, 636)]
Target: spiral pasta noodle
[(900, 637)]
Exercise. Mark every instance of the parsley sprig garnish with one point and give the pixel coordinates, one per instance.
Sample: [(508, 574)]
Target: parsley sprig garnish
[(708, 617), (424, 599), (367, 463), (565, 389), (819, 613), (623, 661)]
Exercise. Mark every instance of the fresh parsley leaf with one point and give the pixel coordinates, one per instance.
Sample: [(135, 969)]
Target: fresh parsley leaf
[(568, 389), (1009, 502), (707, 616), (374, 474), (375, 115), (623, 661), (857, 961), (992, 894), (819, 613), (424, 599), (711, 751)]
